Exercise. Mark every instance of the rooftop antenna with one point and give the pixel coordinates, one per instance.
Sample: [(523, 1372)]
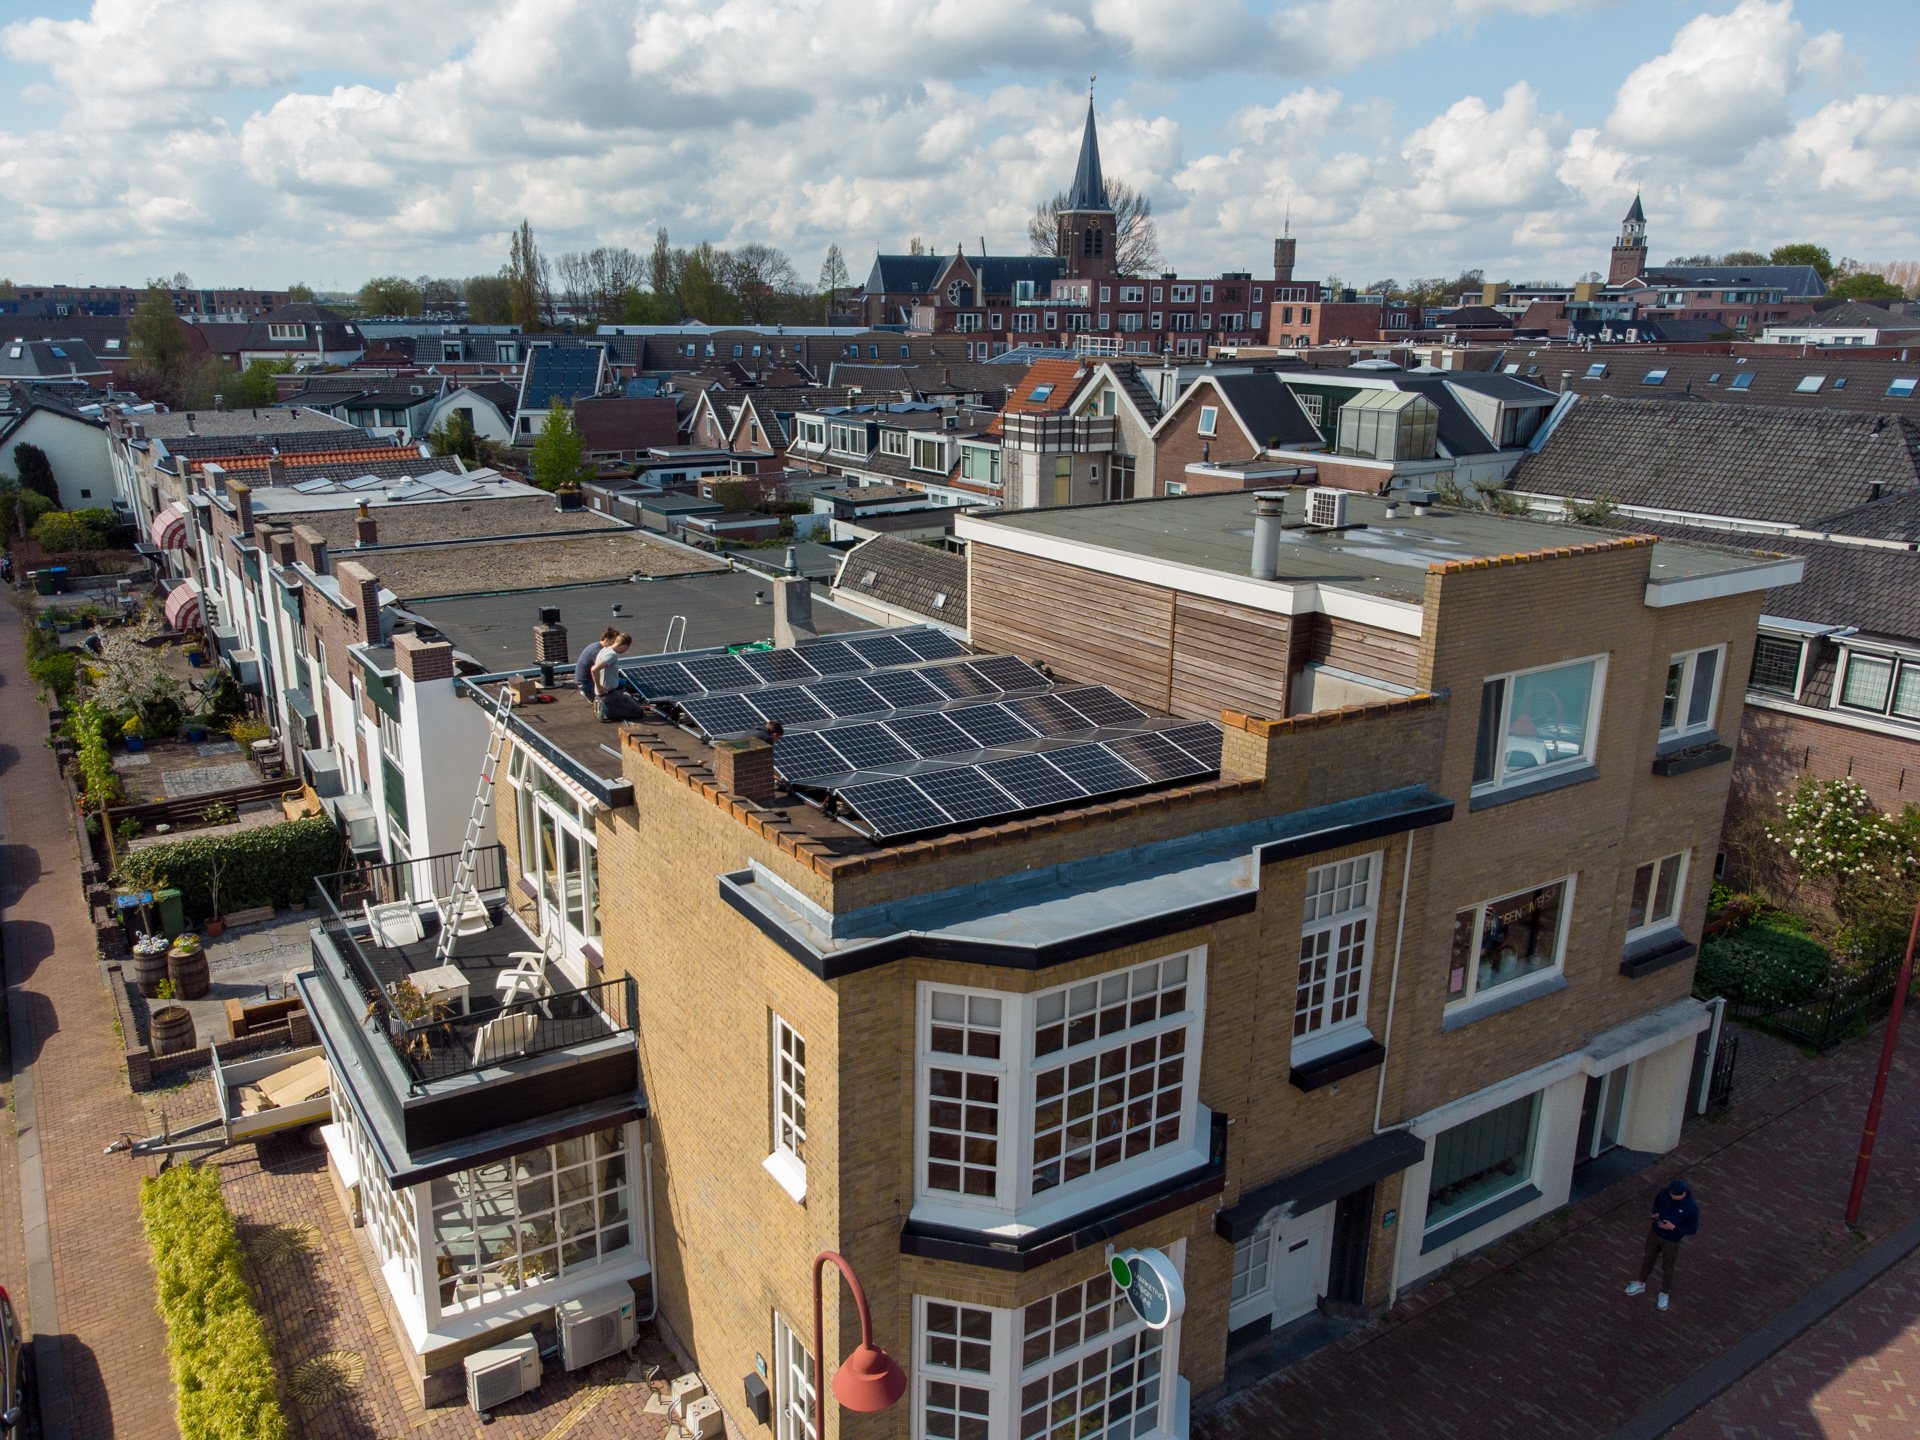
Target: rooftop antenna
[(1286, 225)]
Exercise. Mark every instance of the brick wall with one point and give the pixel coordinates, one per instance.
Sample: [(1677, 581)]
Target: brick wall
[(1180, 444)]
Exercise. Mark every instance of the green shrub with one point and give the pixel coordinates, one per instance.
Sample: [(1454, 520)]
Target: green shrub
[(216, 1343), (87, 728), (260, 866), (58, 671), (1761, 965)]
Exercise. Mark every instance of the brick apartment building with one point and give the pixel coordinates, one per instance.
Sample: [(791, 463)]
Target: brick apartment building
[(1310, 934), (229, 306)]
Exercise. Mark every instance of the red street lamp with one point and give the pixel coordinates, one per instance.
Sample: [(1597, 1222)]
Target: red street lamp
[(1880, 1079), (869, 1380)]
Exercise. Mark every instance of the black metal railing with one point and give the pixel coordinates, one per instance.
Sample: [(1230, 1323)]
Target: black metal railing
[(453, 1044), (1839, 1010)]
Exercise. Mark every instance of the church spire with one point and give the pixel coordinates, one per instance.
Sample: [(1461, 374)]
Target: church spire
[(1089, 192)]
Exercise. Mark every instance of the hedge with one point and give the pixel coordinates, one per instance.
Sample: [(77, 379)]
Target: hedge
[(216, 1343), (261, 866), (1762, 965)]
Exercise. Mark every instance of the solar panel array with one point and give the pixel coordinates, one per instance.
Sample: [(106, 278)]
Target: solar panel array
[(912, 734)]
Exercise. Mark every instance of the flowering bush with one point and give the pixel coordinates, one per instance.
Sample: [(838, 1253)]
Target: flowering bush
[(1833, 831)]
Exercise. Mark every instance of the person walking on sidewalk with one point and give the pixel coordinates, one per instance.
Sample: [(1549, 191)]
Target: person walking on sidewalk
[(1676, 1215)]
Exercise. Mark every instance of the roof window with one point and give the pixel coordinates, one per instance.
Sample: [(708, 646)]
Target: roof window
[(869, 577), (1809, 384), (1901, 389), (1742, 382), (1714, 378), (940, 600), (1839, 382), (1040, 393), (1653, 377), (1594, 372)]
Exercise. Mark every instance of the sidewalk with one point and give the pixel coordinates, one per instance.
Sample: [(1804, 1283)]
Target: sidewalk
[(109, 1370), (1535, 1338)]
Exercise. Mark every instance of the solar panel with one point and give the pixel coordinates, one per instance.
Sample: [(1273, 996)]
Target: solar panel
[(776, 665), (882, 650), (1096, 769), (894, 807), (1156, 757), (720, 672), (1200, 741), (722, 714), (1049, 714), (833, 658), (965, 793), (364, 482), (314, 486), (658, 682), (788, 704), (1101, 705), (989, 725), (1032, 781), (958, 681), (903, 689), (848, 697), (931, 734), (1004, 672), (867, 747), (933, 645), (800, 756)]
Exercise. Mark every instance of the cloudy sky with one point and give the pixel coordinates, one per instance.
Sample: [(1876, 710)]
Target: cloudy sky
[(258, 142)]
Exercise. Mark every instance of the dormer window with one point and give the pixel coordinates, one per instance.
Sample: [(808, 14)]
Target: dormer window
[(286, 332)]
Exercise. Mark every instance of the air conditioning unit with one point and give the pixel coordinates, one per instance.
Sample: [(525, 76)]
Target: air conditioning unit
[(502, 1373), (595, 1325), (1327, 506)]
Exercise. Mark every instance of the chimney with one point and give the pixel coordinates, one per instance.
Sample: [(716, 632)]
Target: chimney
[(285, 552), (422, 660), (220, 402), (792, 611), (1283, 259), (1566, 381), (276, 471), (745, 768), (550, 638), (359, 587), (190, 422), (366, 530), (311, 546), (139, 430), (217, 475), (1267, 506), (1490, 294), (242, 496)]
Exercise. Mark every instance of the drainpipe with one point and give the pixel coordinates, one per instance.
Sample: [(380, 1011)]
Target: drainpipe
[(653, 1255), (1380, 1092)]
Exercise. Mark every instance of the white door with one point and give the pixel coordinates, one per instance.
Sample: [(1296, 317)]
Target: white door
[(1280, 1271)]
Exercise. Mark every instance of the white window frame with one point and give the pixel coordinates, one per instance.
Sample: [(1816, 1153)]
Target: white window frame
[(1689, 663), (1472, 991), (1133, 295), (893, 442), (1523, 1178), (929, 455), (787, 1162), (790, 1377), (1002, 1397), (1154, 320), (1682, 862), (286, 332), (1596, 697), (1209, 420), (1023, 322), (1018, 1069), (1327, 885), (1182, 295), (813, 433), (1898, 667)]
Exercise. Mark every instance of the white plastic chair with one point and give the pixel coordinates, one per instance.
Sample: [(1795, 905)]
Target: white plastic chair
[(472, 919), (503, 1038), (526, 980), (394, 924)]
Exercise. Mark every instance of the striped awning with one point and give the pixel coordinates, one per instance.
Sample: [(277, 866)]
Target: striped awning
[(169, 529), (183, 606)]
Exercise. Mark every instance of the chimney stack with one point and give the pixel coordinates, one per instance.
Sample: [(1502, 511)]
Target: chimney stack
[(190, 422), (285, 552), (359, 586), (311, 546), (242, 496), (550, 638), (217, 475), (1267, 506), (220, 402), (745, 768), (276, 471), (792, 611), (366, 530)]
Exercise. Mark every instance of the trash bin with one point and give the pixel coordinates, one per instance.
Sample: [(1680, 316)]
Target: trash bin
[(43, 582), (169, 912), (59, 573)]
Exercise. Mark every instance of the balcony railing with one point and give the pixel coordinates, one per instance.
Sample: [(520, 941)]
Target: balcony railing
[(1075, 433)]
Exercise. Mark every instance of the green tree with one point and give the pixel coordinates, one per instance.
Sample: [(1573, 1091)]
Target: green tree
[(300, 293), (455, 436), (558, 460), (1803, 253), (390, 295), (20, 510), (663, 269), (59, 532), (1743, 257), (526, 276), (703, 294), (36, 472), (1866, 285), (7, 292), (254, 387), (643, 307), (157, 338), (207, 383), (489, 300)]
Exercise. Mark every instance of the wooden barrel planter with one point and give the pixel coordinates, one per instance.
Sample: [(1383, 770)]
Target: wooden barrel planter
[(149, 971), (189, 974), (170, 1029)]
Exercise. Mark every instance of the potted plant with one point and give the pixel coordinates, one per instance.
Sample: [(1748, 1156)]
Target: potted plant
[(135, 734), (297, 898), (216, 923)]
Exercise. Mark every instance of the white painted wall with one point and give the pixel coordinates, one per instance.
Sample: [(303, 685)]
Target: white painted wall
[(443, 743), (78, 453)]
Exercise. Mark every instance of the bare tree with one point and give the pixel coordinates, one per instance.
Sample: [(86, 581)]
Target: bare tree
[(1136, 243), (756, 274), (596, 282)]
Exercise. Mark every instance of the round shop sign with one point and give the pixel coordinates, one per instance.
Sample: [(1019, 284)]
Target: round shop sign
[(1152, 1286)]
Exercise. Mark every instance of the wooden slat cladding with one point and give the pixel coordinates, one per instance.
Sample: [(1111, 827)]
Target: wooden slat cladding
[(1227, 657), (1349, 645), (1088, 626)]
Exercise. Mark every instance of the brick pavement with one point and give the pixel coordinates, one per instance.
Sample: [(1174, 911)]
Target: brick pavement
[(1854, 1375), (111, 1342), (1534, 1338)]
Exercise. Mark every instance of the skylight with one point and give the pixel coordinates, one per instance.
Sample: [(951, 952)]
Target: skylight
[(1653, 377), (1839, 382), (1714, 378), (1901, 389), (1040, 393), (1594, 372), (1742, 382), (1809, 384), (1513, 369)]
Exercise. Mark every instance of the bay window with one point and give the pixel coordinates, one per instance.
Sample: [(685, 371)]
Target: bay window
[(1515, 937), (1336, 942), (1692, 693), (1538, 722), (1036, 1105), (1658, 887)]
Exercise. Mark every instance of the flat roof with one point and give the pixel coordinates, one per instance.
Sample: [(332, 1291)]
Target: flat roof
[(1375, 556)]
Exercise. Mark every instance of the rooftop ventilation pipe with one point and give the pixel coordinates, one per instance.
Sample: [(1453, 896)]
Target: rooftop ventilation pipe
[(1267, 505)]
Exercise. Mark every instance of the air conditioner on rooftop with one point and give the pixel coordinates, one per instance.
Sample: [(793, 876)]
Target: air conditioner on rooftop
[(1327, 506), (595, 1325), (502, 1373)]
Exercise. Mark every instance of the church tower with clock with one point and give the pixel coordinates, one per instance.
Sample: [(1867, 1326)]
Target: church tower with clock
[(1088, 223)]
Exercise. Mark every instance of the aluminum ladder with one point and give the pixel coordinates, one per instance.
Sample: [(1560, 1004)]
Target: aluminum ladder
[(476, 823), (676, 640)]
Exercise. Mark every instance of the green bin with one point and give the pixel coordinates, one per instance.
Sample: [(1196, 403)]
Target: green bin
[(170, 912), (43, 582)]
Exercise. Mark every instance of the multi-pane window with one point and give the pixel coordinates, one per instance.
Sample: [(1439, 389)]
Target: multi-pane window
[(957, 1391), (1090, 1368), (963, 1104), (1533, 721), (551, 1211), (1693, 684), (1881, 684), (1657, 887), (1776, 665), (1251, 1255), (893, 442), (789, 1091), (1109, 1102), (1335, 941), (1500, 941)]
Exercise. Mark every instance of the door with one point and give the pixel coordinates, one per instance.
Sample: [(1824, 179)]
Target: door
[(1280, 1271), (565, 869), (792, 1385), (1600, 1112)]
